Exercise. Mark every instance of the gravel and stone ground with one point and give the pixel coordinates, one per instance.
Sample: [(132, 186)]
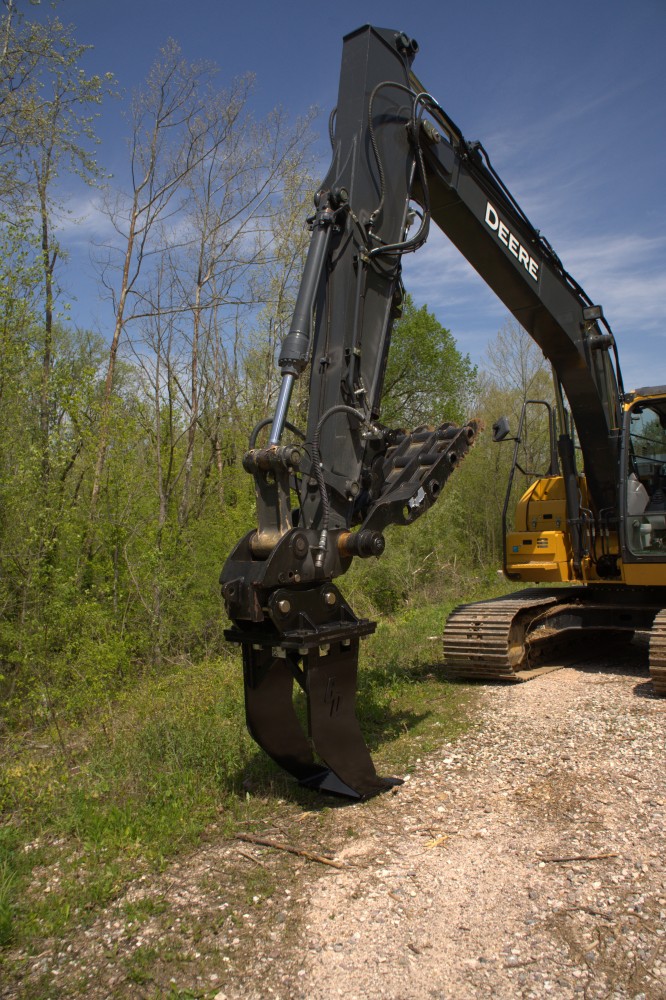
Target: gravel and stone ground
[(526, 860)]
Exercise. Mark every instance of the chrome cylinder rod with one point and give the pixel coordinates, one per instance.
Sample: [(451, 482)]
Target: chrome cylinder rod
[(281, 408)]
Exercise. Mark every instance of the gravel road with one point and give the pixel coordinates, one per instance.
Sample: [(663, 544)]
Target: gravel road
[(526, 860)]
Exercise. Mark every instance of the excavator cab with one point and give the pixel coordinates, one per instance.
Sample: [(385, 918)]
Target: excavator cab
[(645, 434), (537, 542)]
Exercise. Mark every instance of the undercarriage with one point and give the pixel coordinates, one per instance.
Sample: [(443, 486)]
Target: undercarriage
[(513, 638)]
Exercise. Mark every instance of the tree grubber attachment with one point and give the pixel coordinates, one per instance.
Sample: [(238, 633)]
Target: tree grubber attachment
[(292, 622), (322, 659)]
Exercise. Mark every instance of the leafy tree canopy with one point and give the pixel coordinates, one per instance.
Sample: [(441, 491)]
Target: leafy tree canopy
[(428, 380)]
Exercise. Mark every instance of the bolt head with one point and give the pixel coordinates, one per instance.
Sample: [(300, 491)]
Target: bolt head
[(284, 607), (330, 598), (299, 545)]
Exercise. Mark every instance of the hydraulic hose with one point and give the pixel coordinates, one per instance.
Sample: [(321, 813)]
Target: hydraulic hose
[(319, 475)]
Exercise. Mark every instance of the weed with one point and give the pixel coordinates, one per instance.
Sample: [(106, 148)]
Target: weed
[(140, 910), (7, 889), (260, 882), (140, 965)]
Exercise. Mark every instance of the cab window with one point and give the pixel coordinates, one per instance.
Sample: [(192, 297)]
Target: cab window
[(646, 478)]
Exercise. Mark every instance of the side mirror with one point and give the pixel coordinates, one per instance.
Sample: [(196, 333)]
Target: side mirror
[(501, 429)]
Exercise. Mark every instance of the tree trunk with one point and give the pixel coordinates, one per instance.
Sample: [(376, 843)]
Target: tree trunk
[(48, 263)]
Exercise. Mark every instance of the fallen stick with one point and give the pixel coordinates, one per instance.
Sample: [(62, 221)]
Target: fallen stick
[(592, 912), (246, 854), (580, 857), (264, 842)]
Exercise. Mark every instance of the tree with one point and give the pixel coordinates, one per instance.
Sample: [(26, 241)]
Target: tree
[(473, 503), (520, 372), (26, 47), (288, 242), (427, 378), (169, 137), (47, 110), (239, 213), (205, 181)]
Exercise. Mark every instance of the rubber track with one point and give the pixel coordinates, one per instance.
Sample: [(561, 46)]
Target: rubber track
[(658, 654), (485, 641)]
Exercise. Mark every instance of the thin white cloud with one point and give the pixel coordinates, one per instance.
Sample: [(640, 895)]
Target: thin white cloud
[(84, 220), (626, 273)]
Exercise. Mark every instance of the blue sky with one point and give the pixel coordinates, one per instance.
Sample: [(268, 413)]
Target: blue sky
[(569, 100)]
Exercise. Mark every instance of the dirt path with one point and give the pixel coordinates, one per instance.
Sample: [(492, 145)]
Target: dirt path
[(525, 860), (458, 886)]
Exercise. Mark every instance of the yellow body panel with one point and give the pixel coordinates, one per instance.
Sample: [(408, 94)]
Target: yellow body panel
[(539, 549), (645, 574), (542, 506), (539, 556)]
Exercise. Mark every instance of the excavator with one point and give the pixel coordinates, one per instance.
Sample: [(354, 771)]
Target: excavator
[(325, 494)]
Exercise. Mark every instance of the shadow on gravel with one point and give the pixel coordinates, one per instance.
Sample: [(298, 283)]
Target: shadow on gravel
[(646, 690), (628, 659), (264, 780)]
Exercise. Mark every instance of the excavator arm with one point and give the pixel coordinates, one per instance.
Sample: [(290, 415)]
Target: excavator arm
[(327, 495), (471, 205)]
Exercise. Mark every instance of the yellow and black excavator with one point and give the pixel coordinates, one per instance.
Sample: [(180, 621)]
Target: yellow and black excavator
[(324, 498), (621, 564)]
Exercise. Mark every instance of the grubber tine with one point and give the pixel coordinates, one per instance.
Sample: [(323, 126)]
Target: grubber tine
[(327, 672), (269, 711), (330, 687)]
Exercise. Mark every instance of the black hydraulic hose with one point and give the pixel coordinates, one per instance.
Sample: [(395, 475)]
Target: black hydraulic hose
[(417, 241), (438, 113), (569, 475), (453, 132), (319, 474), (618, 371), (373, 139), (265, 423), (331, 125)]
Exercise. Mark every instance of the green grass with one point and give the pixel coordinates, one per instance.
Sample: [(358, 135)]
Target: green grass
[(7, 897), (125, 799), (173, 758), (405, 705)]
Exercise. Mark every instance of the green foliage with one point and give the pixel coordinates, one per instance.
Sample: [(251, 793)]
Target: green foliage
[(48, 106), (121, 710), (428, 380), (172, 757), (133, 787), (7, 890)]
